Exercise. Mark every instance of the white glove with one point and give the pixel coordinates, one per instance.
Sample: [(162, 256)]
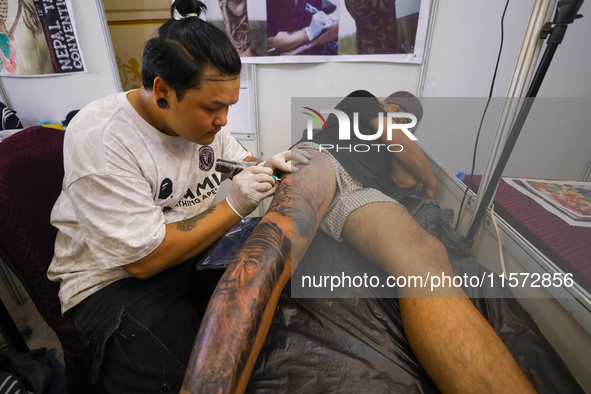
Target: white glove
[(249, 188), (281, 161), (320, 21)]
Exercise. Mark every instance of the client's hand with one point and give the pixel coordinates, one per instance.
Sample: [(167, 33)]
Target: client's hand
[(281, 161)]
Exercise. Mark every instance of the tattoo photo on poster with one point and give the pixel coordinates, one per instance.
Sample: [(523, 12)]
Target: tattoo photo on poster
[(300, 31), (38, 37), (308, 27), (376, 28), (244, 22), (570, 201)]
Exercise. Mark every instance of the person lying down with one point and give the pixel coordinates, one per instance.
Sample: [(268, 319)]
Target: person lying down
[(452, 340)]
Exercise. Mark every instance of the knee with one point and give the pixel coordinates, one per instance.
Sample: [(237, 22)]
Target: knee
[(433, 252)]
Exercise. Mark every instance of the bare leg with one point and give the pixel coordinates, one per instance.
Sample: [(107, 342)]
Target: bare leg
[(452, 340), (242, 306)]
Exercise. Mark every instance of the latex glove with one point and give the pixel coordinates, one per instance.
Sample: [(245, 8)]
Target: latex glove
[(320, 21), (285, 161), (249, 188)]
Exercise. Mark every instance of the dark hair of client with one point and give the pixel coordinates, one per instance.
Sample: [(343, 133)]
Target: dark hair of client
[(185, 48)]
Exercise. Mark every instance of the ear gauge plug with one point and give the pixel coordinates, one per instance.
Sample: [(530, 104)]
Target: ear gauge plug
[(162, 103)]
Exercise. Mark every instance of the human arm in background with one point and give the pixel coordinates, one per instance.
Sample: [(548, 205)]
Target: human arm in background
[(329, 35), (242, 306), (285, 41), (409, 166)]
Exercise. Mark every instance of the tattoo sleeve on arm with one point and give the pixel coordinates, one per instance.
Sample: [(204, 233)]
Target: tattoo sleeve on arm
[(241, 308), (191, 223), (235, 16)]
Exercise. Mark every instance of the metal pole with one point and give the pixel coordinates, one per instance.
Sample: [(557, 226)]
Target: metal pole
[(566, 13), (511, 140), (525, 67)]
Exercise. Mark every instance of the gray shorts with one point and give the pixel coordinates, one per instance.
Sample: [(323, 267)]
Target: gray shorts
[(349, 195)]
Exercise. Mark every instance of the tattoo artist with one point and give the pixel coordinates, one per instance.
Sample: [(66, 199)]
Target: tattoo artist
[(137, 203)]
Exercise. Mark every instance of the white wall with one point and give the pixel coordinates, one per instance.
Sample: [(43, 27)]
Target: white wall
[(277, 84), (466, 39), (556, 140), (465, 45), (53, 97)]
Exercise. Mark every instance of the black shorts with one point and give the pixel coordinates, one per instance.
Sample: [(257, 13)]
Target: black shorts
[(142, 331)]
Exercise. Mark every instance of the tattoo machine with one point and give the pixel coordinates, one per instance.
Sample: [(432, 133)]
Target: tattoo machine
[(233, 168)]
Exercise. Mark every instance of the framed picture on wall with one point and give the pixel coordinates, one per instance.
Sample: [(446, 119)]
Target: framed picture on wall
[(301, 31), (38, 38), (131, 25)]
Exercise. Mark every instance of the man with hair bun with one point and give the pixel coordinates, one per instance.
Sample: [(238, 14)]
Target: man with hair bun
[(137, 206), (137, 203)]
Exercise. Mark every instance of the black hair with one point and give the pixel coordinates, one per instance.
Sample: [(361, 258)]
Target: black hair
[(185, 48)]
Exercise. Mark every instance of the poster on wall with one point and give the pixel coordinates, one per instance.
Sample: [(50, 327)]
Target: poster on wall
[(129, 39), (308, 31), (131, 24), (570, 201), (38, 37)]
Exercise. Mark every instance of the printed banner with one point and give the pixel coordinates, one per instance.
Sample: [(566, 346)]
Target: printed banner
[(570, 201), (304, 31), (38, 37)]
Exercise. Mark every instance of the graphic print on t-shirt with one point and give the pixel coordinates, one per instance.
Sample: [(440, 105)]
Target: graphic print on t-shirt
[(208, 188), (165, 189), (206, 158)]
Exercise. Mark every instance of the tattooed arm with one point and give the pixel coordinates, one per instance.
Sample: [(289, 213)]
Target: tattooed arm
[(242, 306), (185, 239), (235, 16), (285, 41)]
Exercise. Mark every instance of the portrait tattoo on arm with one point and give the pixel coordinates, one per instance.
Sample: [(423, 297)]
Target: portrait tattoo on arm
[(235, 312)]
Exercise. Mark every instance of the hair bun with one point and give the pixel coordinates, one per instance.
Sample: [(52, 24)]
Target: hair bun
[(184, 7)]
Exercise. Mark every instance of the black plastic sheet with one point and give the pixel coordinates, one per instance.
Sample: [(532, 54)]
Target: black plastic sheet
[(358, 345)]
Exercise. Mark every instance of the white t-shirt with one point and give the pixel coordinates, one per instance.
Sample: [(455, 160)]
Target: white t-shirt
[(124, 181)]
